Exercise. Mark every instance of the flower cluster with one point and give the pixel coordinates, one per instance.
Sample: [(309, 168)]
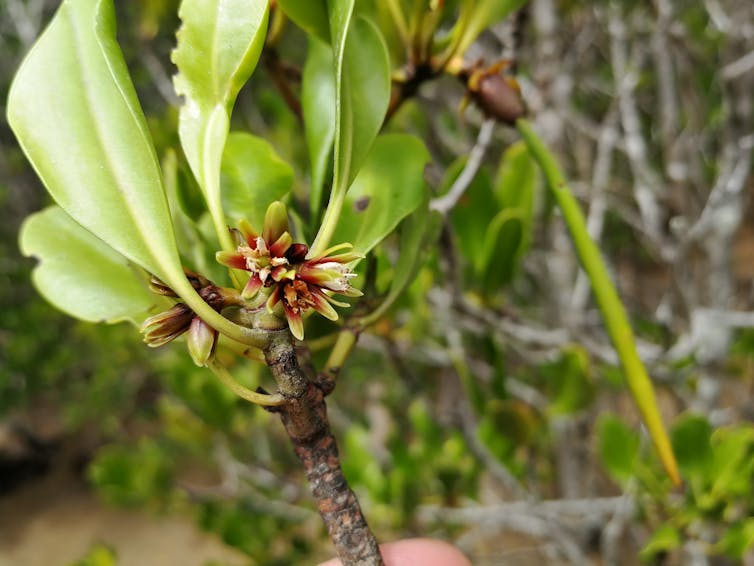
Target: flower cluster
[(166, 326), (281, 266)]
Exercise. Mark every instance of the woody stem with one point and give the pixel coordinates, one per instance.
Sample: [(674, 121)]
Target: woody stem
[(304, 417)]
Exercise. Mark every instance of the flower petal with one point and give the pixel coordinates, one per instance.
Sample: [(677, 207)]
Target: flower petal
[(321, 304), (294, 321), (166, 326), (233, 260), (275, 221), (274, 298), (328, 251), (281, 245), (248, 231), (252, 287)]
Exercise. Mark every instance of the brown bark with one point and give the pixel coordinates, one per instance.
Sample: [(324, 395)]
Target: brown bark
[(305, 421)]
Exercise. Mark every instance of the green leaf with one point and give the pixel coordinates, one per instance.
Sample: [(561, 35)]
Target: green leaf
[(610, 305), (502, 247), (665, 539), (478, 15), (253, 176), (732, 462), (570, 381), (79, 274), (509, 233), (738, 539), (417, 233), (75, 113), (618, 447), (473, 213), (362, 79), (218, 48), (516, 183), (318, 105), (187, 191), (388, 188), (309, 15), (690, 437)]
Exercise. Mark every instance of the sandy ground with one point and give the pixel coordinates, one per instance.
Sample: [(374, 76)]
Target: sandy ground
[(55, 520)]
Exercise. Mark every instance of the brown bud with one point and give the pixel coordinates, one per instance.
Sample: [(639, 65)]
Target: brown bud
[(498, 98), (297, 253)]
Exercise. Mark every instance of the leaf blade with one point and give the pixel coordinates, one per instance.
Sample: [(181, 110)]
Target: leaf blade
[(76, 116), (79, 274), (362, 83), (219, 44), (388, 188)]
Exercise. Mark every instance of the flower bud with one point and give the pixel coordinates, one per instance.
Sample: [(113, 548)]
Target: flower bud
[(166, 326), (201, 340), (499, 98)]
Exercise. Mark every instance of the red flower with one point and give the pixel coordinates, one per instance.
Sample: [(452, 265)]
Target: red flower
[(275, 262)]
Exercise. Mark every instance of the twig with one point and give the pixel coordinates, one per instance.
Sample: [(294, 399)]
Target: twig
[(626, 79), (305, 419), (445, 203), (739, 67)]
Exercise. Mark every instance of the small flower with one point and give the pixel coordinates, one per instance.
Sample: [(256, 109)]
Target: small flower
[(300, 284), (166, 326), (264, 256)]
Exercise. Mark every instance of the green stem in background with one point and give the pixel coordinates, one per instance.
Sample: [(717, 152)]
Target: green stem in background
[(330, 220), (339, 353), (399, 20), (222, 373), (609, 303)]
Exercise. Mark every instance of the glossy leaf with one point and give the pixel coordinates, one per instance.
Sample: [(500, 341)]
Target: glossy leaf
[(253, 176), (388, 188), (309, 15), (219, 43), (318, 105), (75, 113), (362, 79), (417, 232), (610, 305), (81, 275), (618, 447)]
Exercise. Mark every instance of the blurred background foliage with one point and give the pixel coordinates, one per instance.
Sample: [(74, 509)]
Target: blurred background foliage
[(486, 407)]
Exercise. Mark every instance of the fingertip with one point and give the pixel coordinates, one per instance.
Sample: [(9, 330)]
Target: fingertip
[(417, 552)]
